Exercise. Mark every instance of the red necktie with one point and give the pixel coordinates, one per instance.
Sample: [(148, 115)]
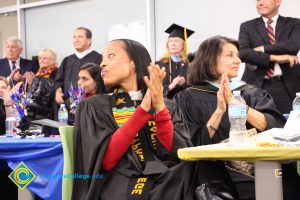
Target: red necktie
[(271, 36)]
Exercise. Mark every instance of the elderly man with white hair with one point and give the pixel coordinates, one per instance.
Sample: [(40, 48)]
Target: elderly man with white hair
[(13, 66)]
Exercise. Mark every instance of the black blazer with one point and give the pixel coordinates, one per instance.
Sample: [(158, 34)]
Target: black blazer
[(25, 65), (253, 33)]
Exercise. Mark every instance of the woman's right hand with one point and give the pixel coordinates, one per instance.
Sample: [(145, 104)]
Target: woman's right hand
[(221, 95)]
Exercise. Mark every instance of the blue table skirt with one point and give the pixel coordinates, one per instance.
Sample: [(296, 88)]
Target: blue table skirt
[(44, 156)]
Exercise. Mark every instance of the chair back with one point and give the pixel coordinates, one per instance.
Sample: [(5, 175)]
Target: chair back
[(66, 133)]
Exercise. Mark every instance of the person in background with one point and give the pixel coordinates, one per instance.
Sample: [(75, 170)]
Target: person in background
[(13, 66), (175, 60), (204, 104), (48, 64), (68, 71), (269, 45), (41, 87), (91, 82), (5, 98), (8, 188), (4, 87)]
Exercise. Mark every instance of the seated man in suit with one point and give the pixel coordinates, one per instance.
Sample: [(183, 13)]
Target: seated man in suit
[(13, 66)]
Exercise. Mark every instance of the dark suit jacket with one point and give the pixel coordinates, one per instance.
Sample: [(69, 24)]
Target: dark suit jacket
[(25, 65), (253, 33)]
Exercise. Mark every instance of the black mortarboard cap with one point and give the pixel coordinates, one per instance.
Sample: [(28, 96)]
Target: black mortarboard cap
[(178, 31)]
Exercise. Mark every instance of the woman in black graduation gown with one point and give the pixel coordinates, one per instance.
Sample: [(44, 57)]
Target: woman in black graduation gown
[(127, 141), (175, 60), (204, 104)]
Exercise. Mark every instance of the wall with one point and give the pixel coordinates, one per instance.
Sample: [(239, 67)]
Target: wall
[(4, 3), (53, 26), (8, 27)]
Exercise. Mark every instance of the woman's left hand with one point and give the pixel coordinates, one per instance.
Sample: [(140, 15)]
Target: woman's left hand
[(146, 103), (228, 93), (155, 86)]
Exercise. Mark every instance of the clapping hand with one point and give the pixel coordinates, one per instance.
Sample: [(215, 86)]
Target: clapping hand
[(15, 75), (224, 94), (7, 94), (179, 80), (154, 94)]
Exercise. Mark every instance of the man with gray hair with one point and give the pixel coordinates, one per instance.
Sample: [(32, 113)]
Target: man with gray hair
[(13, 66)]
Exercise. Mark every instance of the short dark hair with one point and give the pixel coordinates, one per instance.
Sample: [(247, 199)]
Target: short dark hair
[(140, 57), (95, 72), (88, 32), (202, 68)]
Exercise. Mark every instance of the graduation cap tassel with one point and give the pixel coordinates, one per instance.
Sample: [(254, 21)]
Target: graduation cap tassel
[(186, 41)]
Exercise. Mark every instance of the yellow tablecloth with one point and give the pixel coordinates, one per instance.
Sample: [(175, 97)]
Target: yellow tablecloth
[(246, 153)]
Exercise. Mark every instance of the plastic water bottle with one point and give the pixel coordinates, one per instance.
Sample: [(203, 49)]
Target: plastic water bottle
[(62, 115), (9, 126), (237, 111), (15, 115), (296, 102)]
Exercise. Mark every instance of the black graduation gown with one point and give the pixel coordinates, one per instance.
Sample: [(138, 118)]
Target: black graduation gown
[(69, 69), (94, 125), (177, 69), (199, 102)]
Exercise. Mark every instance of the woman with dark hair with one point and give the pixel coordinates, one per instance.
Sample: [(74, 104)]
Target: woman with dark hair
[(90, 80), (204, 104), (89, 83), (126, 141)]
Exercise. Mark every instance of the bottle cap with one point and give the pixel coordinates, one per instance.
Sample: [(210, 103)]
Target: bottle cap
[(10, 119), (298, 94), (236, 92)]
